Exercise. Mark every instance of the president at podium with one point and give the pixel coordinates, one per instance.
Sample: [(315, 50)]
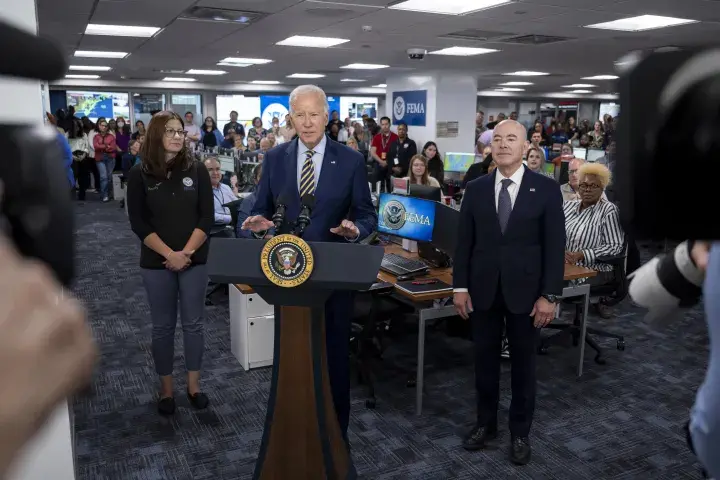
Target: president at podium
[(316, 177)]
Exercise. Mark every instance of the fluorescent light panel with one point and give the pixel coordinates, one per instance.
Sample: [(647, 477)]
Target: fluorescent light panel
[(100, 54), (246, 61), (510, 89), (352, 80), (526, 73), (448, 7), (89, 68), (601, 77), (120, 30), (380, 85), (463, 51), (236, 65), (579, 85), (580, 91), (86, 77), (306, 75), (364, 66), (642, 23), (515, 84), (178, 79), (205, 72), (313, 42), (265, 82)]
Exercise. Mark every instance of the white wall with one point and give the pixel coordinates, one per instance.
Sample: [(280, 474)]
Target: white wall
[(455, 101), (415, 82), (492, 106), (589, 110), (50, 454)]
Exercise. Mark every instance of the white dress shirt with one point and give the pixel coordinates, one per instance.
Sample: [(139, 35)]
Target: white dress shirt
[(512, 189), (317, 159), (222, 194)]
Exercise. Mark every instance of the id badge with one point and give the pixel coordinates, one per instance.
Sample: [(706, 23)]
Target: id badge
[(397, 161), (384, 154)]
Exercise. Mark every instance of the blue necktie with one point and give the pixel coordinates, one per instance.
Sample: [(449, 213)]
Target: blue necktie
[(504, 204), (307, 176)]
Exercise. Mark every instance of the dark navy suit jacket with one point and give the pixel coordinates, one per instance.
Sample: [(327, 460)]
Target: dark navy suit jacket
[(342, 191), (525, 262)]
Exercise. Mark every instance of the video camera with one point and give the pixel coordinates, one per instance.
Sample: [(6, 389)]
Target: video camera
[(34, 203)]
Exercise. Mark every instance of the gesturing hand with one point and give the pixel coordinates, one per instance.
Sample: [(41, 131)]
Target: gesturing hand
[(463, 304), (346, 229), (257, 224), (543, 312), (701, 254), (177, 261), (574, 257)]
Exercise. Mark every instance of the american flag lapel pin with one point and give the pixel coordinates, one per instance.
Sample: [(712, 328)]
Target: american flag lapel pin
[(532, 189), (332, 162)]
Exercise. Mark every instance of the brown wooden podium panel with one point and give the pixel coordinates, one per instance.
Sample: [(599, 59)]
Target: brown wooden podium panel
[(302, 439)]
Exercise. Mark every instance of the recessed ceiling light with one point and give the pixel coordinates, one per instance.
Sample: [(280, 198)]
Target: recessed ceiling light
[(246, 61), (580, 91), (352, 80), (265, 82), (205, 72), (86, 77), (306, 75), (315, 42), (178, 79), (120, 30), (364, 66), (515, 84), (641, 23), (510, 89), (99, 54), (463, 51), (448, 7), (579, 85), (237, 65), (601, 77), (89, 68), (526, 73), (380, 85)]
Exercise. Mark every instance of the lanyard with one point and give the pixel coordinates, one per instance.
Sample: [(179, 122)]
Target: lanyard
[(225, 210), (384, 141)]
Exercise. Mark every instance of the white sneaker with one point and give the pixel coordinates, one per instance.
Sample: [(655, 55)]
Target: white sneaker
[(106, 199)]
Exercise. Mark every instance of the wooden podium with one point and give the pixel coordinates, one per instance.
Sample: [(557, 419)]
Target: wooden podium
[(302, 438)]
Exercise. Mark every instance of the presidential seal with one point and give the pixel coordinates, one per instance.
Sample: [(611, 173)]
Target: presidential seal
[(287, 261), (394, 215)]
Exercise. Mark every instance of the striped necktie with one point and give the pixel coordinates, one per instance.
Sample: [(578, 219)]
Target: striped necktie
[(307, 176)]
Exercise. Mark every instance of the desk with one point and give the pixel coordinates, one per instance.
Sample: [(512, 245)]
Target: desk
[(429, 312)]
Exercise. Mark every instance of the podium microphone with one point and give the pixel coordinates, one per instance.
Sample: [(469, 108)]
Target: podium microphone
[(279, 217), (303, 220)]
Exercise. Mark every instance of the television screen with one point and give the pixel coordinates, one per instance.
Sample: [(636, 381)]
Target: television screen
[(458, 162), (406, 217)]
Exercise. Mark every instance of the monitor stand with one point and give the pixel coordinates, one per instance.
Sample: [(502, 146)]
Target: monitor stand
[(409, 245)]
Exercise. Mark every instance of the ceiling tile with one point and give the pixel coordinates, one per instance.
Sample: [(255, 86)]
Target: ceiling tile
[(263, 6), (150, 13)]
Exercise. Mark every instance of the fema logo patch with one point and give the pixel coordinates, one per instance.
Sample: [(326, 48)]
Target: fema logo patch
[(187, 181)]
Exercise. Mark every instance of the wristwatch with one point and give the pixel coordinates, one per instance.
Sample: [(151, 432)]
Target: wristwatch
[(551, 298)]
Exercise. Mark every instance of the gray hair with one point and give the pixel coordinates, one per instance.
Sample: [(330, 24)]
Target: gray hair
[(306, 90)]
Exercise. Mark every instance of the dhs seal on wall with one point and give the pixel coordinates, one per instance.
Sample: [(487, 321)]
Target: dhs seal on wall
[(287, 261), (394, 215), (399, 108)]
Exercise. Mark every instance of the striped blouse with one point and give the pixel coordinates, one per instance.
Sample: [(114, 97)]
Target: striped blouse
[(595, 231)]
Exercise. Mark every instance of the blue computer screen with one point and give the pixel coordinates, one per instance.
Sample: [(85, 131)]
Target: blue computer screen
[(406, 217)]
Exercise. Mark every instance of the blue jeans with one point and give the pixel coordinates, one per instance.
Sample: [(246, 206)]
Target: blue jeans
[(164, 288), (106, 167)]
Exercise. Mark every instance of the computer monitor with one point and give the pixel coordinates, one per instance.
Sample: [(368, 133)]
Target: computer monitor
[(445, 230), (406, 217), (594, 153), (580, 152), (227, 164), (425, 191), (458, 162)]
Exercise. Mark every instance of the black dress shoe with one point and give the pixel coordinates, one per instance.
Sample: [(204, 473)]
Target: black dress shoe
[(520, 451), (479, 436), (199, 400), (166, 406)]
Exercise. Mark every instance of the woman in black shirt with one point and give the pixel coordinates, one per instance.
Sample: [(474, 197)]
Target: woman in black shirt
[(170, 205), (436, 166)]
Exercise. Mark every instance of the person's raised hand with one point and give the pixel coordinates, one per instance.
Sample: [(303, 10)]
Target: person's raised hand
[(463, 304), (47, 352), (257, 224)]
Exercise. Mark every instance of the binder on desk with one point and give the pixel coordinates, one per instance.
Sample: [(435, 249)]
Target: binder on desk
[(416, 287)]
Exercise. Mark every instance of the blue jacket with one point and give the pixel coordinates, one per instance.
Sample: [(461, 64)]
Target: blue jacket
[(67, 158), (218, 136), (342, 191)]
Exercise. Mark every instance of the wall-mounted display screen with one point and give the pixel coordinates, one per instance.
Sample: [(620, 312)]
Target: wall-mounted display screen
[(356, 107), (99, 104)]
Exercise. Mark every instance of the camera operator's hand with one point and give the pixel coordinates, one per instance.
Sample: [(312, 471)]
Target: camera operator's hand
[(46, 349), (700, 254)]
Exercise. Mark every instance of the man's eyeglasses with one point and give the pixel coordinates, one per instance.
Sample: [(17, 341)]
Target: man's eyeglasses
[(589, 186), (170, 133)]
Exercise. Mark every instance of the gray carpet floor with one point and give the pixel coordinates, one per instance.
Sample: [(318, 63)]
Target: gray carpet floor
[(619, 421)]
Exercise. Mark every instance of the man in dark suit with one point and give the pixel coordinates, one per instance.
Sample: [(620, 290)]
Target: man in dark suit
[(343, 212), (509, 266)]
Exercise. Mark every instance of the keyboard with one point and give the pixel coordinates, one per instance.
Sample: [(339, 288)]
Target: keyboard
[(397, 265)]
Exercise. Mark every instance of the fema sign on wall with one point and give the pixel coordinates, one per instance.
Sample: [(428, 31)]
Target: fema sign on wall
[(409, 107)]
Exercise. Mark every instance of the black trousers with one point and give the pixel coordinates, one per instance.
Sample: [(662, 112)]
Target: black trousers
[(487, 330), (84, 169)]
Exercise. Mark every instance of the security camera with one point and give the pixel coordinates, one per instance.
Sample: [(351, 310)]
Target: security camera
[(416, 53)]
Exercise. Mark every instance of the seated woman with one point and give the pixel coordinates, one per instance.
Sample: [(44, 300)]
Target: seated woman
[(592, 226), (419, 172), (536, 162)]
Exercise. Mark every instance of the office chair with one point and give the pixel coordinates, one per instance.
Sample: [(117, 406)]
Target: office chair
[(609, 294), (221, 232)]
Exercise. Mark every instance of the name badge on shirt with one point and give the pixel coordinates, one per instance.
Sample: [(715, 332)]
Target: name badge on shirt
[(383, 155), (405, 146)]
